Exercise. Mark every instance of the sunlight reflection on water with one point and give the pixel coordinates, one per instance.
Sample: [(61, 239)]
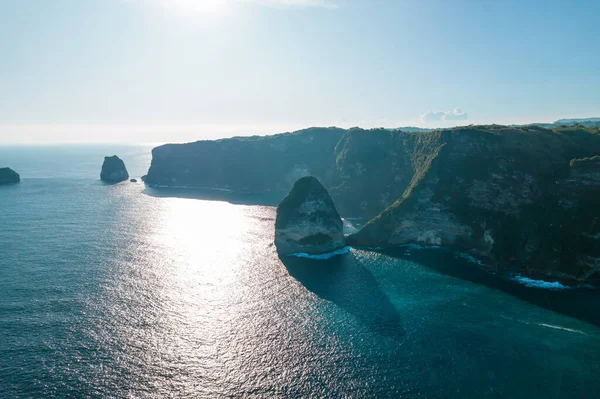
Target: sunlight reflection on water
[(122, 294)]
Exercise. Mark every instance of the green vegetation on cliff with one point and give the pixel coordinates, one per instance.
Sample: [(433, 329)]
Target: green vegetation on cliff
[(590, 163), (519, 196), (512, 195), (247, 164)]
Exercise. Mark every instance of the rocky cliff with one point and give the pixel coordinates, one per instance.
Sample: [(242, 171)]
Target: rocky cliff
[(374, 167), (365, 171), (520, 197), (113, 170), (307, 220), (8, 176), (247, 164)]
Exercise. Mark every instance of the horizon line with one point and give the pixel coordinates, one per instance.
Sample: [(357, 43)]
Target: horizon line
[(185, 133)]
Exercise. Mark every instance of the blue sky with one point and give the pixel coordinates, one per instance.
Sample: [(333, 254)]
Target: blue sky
[(177, 70)]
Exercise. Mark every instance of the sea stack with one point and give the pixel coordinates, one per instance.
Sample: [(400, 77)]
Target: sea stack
[(8, 176), (307, 220), (113, 170)]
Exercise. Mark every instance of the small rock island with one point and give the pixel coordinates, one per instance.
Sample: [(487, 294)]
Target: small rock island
[(307, 220), (113, 170), (8, 176)]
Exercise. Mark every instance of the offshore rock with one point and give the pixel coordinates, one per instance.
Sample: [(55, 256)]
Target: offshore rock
[(307, 220), (113, 170), (7, 176)]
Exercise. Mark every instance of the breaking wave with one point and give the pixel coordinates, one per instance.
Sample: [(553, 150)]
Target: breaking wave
[(327, 255), (530, 282), (561, 328), (470, 259)]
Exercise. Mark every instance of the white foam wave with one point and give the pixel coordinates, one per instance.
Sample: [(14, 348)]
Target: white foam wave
[(470, 259), (561, 328), (530, 282), (225, 190), (412, 246), (327, 255), (349, 228)]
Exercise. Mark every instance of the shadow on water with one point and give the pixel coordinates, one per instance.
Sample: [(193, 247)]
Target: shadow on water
[(344, 281), (210, 194), (579, 303)]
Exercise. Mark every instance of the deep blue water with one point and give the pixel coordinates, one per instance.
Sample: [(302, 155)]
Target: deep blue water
[(126, 291)]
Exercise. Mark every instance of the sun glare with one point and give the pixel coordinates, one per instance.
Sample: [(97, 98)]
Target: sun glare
[(191, 230), (202, 9)]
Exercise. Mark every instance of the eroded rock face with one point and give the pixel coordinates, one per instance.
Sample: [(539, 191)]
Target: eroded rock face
[(307, 220), (113, 170), (8, 176), (518, 197), (260, 164), (523, 199)]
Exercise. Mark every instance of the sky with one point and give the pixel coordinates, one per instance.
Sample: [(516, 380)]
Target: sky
[(182, 70)]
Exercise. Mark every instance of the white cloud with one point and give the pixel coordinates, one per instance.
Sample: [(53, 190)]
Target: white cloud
[(456, 114)]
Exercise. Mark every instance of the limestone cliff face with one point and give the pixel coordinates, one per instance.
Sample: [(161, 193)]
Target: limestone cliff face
[(372, 169), (307, 220), (8, 176), (508, 195), (247, 164), (113, 170), (375, 167), (519, 197), (365, 171)]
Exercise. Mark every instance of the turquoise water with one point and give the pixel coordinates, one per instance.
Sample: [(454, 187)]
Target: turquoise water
[(126, 291)]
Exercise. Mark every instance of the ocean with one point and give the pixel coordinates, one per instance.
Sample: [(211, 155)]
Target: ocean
[(126, 291)]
